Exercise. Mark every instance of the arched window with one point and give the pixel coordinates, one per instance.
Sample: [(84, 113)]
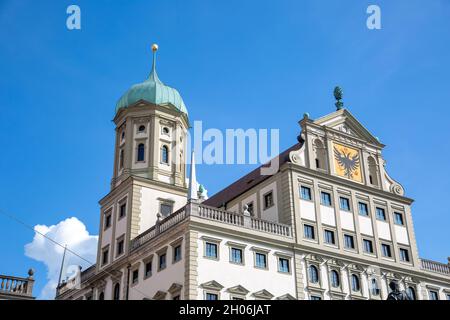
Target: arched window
[(374, 287), (355, 283), (164, 154), (373, 171), (411, 293), (320, 154), (334, 279), (141, 128), (165, 130), (313, 274), (101, 296), (141, 152), (116, 295)]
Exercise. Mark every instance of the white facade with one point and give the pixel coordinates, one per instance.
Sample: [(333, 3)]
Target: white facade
[(320, 228)]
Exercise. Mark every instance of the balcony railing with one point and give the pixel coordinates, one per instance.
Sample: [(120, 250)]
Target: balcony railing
[(434, 266), (213, 214), (16, 286), (241, 220), (159, 227)]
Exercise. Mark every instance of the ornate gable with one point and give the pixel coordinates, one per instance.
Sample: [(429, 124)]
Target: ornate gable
[(343, 126)]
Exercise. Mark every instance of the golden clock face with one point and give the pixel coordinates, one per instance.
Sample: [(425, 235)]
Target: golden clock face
[(347, 162)]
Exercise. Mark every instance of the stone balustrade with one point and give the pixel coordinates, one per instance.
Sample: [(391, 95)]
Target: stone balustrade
[(433, 266), (213, 214), (15, 286)]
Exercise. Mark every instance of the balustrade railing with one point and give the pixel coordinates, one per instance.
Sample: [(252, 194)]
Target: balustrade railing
[(160, 226), (214, 214), (16, 286), (434, 266)]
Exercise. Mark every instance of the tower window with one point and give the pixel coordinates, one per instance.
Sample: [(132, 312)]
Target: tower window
[(165, 154), (122, 136), (141, 152), (121, 159), (165, 130), (141, 128)]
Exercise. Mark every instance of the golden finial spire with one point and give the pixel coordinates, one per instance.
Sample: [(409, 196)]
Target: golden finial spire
[(154, 47)]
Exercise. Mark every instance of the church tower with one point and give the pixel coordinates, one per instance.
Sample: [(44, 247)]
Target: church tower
[(149, 177)]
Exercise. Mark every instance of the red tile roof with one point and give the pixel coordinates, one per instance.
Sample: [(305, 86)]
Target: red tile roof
[(247, 182)]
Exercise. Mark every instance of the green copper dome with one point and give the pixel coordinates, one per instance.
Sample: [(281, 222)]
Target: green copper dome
[(152, 90)]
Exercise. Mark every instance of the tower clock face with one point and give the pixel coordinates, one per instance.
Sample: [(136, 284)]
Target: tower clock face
[(347, 162)]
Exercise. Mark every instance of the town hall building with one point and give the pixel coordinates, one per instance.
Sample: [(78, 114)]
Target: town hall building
[(331, 223)]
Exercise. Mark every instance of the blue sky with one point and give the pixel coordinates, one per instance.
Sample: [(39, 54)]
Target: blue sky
[(237, 64)]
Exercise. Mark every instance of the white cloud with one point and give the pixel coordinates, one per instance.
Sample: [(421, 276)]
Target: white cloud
[(71, 232)]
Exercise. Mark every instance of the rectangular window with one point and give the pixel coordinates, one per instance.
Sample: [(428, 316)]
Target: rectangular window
[(135, 276), (211, 296), (316, 298), (386, 250), (380, 214), (404, 255), (325, 199), (283, 265), (177, 253), (165, 209), (367, 246), (434, 295), (447, 296), (344, 204), (211, 250), (105, 256), (162, 261), (349, 241), (268, 200), (250, 208), (122, 210), (363, 209), (309, 232), (148, 269), (329, 237), (107, 220), (120, 247), (305, 193), (260, 260), (398, 218), (236, 255)]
